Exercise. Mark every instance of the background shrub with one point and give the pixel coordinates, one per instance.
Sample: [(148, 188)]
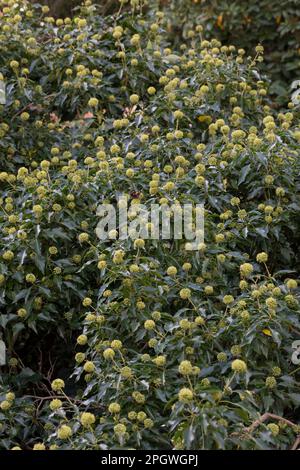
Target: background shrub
[(246, 24), (242, 23)]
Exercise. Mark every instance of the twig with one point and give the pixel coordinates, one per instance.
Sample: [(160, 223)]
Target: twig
[(296, 443), (264, 418), (52, 397), (60, 397)]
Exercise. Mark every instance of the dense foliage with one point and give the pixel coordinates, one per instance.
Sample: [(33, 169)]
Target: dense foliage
[(142, 343), (243, 23), (246, 23)]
